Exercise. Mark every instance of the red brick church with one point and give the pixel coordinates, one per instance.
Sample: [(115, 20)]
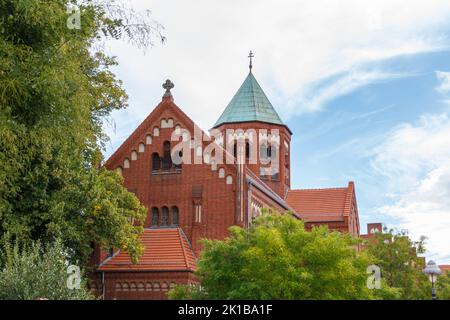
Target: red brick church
[(196, 185)]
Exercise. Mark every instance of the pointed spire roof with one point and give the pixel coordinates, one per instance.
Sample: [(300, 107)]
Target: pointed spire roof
[(250, 103)]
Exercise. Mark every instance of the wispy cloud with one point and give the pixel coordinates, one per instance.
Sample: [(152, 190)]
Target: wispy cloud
[(319, 95), (444, 79), (415, 160)]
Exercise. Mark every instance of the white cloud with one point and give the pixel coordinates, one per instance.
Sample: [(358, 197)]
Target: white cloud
[(415, 159), (345, 84), (444, 78), (296, 45)]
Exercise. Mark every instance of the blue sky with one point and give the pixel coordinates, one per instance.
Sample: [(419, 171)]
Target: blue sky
[(363, 85)]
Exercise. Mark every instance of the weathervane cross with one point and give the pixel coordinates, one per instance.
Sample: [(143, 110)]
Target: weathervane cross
[(168, 85), (250, 55)]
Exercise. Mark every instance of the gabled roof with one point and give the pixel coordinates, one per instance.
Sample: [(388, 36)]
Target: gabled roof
[(316, 205), (164, 250), (263, 187), (250, 103)]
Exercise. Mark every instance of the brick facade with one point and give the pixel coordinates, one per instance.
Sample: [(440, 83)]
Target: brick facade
[(207, 197)]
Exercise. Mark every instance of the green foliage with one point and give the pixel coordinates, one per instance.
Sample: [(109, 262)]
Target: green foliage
[(443, 286), (34, 271), (276, 258), (56, 88), (401, 268)]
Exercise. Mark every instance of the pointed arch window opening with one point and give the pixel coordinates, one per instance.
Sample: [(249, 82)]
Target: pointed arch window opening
[(175, 216), (156, 162), (155, 217)]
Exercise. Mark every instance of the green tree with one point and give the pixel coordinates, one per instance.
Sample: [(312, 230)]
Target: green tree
[(276, 258), (443, 286), (401, 267), (56, 88), (34, 271)]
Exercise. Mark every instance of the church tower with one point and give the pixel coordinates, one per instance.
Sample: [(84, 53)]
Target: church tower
[(251, 130)]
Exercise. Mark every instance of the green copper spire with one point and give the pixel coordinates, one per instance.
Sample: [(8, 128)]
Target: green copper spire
[(249, 104)]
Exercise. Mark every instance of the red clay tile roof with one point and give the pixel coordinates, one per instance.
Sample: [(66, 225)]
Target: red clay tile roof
[(164, 250), (445, 267), (321, 205)]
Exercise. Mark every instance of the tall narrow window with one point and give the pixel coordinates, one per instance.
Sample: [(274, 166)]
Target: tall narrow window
[(155, 217), (247, 150), (269, 151), (235, 149), (175, 217), (156, 162), (167, 159), (164, 216)]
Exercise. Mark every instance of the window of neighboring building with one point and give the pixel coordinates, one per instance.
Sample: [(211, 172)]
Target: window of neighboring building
[(164, 216)]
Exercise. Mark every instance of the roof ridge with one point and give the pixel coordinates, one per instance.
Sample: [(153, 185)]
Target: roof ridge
[(183, 236), (313, 189)]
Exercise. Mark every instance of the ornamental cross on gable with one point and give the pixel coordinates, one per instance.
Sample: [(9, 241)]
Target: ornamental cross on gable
[(168, 85)]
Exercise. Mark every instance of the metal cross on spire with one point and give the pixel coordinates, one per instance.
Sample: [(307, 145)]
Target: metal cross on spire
[(168, 85), (250, 55)]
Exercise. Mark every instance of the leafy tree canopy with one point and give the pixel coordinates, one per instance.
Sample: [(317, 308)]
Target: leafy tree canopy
[(401, 267), (276, 258), (56, 88)]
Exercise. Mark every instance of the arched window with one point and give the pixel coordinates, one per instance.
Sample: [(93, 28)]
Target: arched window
[(164, 216), (141, 147), (167, 159), (118, 286), (125, 287), (221, 173), (175, 216), (235, 149), (229, 179), (156, 162), (155, 217)]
